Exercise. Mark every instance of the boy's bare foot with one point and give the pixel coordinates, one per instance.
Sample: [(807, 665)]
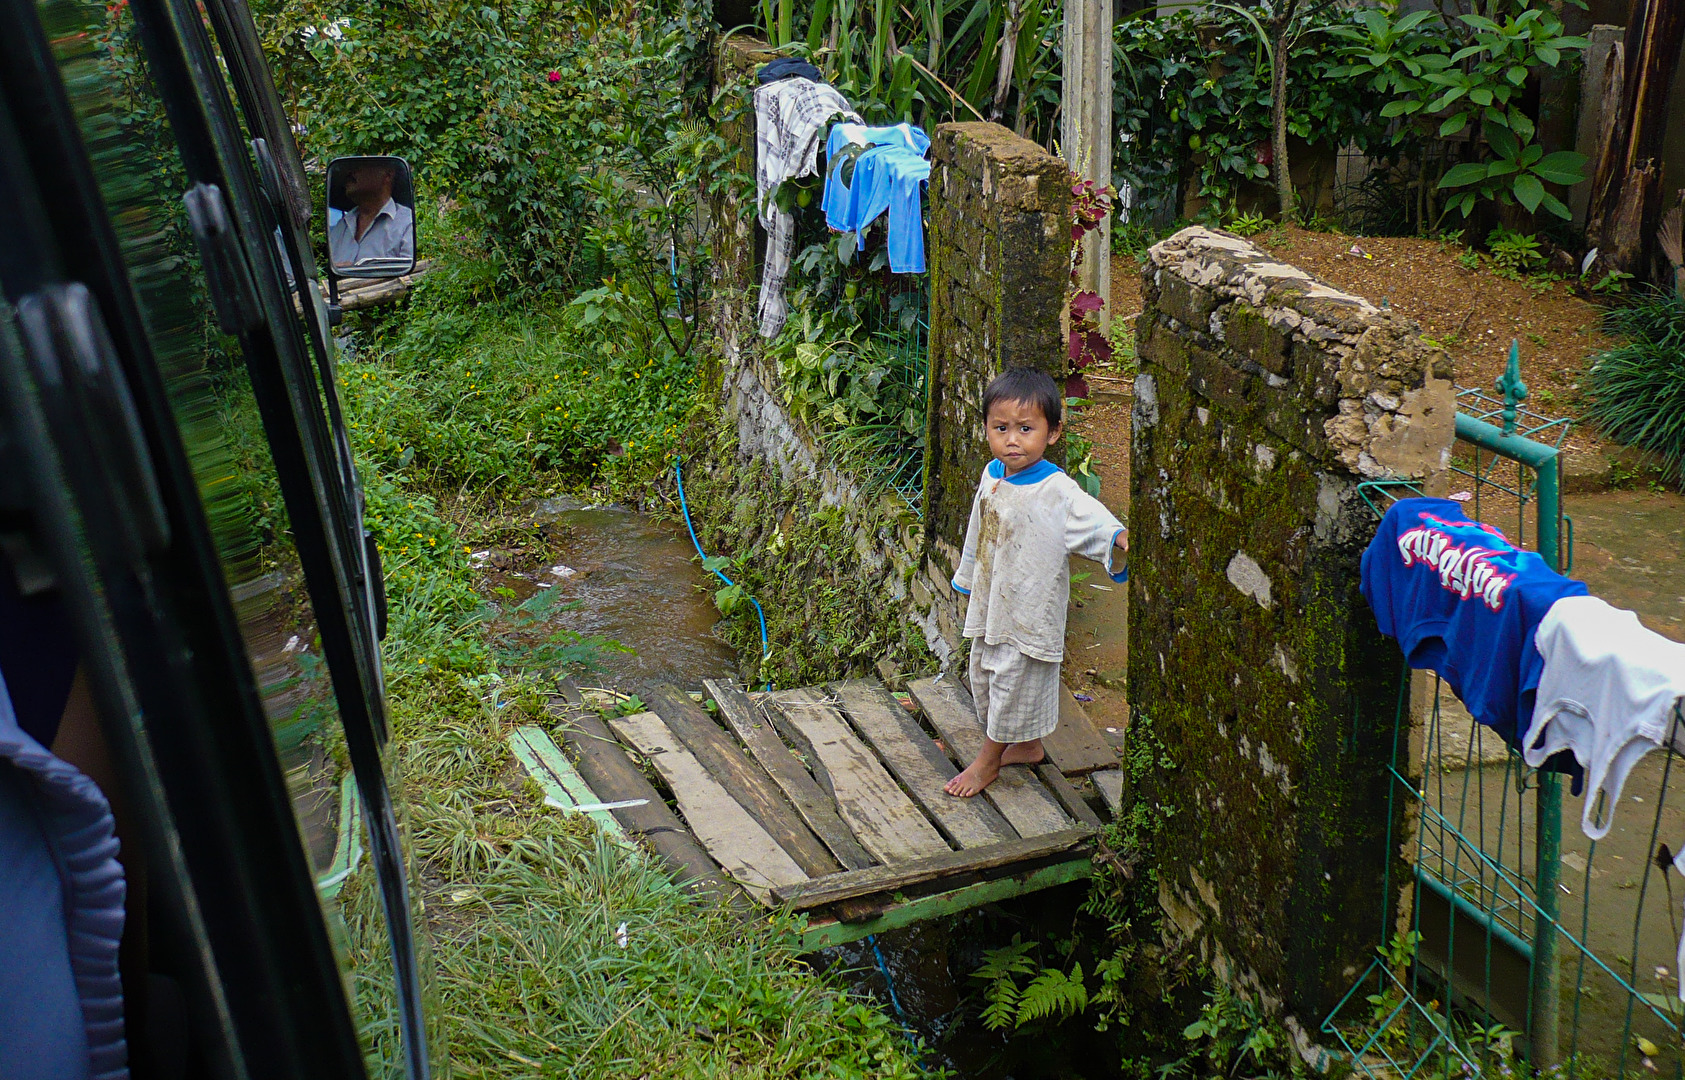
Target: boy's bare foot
[(1024, 753), (977, 776)]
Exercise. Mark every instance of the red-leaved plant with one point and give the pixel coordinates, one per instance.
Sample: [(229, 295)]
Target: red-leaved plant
[(1090, 203)]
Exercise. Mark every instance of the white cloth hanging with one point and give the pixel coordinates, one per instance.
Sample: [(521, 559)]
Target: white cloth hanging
[(791, 117), (1607, 693)]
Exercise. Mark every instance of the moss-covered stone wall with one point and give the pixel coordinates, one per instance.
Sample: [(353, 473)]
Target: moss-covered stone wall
[(847, 576), (1264, 399), (999, 255)]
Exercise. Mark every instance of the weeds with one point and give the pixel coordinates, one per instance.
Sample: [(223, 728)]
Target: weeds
[(1517, 253)]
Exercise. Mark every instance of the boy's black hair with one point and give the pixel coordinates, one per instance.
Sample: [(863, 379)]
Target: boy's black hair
[(1029, 386)]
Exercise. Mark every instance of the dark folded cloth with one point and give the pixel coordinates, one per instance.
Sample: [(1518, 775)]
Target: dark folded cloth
[(789, 67)]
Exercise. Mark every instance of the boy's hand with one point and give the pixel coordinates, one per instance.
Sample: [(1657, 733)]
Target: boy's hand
[(1121, 541)]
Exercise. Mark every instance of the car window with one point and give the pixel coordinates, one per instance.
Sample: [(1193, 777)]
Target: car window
[(217, 409)]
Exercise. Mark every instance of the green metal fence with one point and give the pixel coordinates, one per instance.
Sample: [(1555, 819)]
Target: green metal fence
[(1496, 960)]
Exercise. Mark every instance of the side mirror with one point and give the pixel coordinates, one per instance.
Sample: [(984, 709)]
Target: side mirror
[(370, 217)]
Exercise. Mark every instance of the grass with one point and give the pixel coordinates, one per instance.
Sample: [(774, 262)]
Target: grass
[(525, 907), (1637, 389)]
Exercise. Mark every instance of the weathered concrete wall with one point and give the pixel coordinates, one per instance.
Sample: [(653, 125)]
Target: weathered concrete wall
[(999, 258), (1264, 399)]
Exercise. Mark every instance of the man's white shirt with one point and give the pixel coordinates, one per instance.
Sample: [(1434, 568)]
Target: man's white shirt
[(390, 236)]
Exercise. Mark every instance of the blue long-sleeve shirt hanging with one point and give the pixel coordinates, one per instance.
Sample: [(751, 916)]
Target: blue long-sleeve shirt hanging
[(887, 175), (1461, 600)]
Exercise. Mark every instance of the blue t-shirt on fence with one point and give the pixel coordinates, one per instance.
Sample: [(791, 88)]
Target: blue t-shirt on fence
[(1462, 601), (888, 175)]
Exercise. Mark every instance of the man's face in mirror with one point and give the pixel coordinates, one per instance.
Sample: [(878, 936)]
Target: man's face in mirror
[(369, 186)]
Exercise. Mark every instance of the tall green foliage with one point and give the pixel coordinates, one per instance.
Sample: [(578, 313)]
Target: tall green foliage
[(1191, 102), (550, 122), (1450, 75)]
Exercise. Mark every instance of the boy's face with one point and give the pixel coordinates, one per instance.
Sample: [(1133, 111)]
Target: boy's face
[(1019, 434)]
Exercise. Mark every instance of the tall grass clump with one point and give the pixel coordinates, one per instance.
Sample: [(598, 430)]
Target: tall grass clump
[(1638, 388)]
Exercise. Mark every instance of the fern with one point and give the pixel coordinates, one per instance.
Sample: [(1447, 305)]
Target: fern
[(1002, 1007), (1007, 961), (1000, 970), (1053, 993)]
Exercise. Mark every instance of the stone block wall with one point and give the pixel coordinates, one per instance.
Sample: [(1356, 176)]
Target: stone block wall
[(1264, 399), (999, 256)]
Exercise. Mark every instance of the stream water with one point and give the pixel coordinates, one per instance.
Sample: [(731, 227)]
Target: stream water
[(637, 582)]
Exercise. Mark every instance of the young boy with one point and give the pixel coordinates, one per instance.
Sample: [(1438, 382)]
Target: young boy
[(1027, 516)]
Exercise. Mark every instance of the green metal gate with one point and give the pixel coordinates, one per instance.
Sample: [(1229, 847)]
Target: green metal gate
[(1497, 962)]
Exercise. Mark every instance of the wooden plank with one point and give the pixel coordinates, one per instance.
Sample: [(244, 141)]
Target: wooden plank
[(805, 895), (1070, 800), (886, 821), (823, 934), (919, 764), (545, 763), (1109, 782), (603, 764), (1017, 793), (746, 782), (735, 839), (814, 806), (1076, 746)]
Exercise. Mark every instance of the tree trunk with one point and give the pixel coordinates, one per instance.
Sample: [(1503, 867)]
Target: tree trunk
[(1626, 195), (1278, 115)]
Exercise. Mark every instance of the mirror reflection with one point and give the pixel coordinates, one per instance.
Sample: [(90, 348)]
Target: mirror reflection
[(371, 217)]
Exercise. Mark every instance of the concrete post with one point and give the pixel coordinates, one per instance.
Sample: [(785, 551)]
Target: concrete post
[(1086, 128)]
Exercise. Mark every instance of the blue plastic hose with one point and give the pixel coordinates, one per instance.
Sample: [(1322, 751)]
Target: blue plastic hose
[(889, 981), (766, 649)]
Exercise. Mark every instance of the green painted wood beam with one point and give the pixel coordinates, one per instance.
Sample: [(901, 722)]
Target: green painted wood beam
[(939, 905), (546, 763), (348, 842)]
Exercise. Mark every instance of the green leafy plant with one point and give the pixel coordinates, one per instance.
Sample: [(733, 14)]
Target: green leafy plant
[(1247, 224), (1000, 972), (1467, 76), (1079, 463), (727, 598), (1050, 994), (1231, 1029), (1610, 284), (1516, 252), (1637, 389), (1191, 101), (1516, 173)]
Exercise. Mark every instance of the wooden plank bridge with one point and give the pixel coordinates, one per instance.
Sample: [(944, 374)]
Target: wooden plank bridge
[(829, 800)]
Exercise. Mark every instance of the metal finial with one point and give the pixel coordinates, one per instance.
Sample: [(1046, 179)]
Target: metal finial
[(1510, 384)]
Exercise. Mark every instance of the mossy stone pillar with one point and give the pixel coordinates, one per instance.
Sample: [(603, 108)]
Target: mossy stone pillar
[(999, 255), (1264, 399)]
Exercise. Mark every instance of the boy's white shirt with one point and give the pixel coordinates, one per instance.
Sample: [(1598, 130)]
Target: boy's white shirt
[(1015, 567)]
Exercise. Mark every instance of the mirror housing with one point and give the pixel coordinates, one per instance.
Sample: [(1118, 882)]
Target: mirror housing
[(370, 218)]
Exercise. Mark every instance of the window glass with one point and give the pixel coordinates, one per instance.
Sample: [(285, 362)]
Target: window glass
[(139, 168)]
